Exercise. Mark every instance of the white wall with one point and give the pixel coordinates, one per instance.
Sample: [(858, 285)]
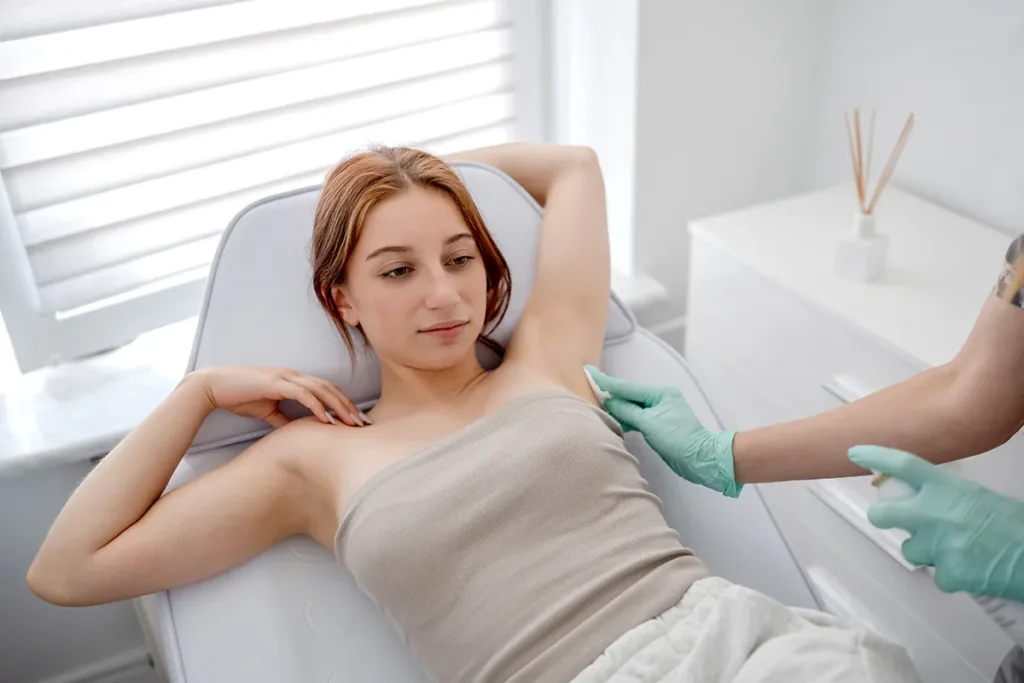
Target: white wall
[(723, 96), (693, 108), (960, 67), (594, 47)]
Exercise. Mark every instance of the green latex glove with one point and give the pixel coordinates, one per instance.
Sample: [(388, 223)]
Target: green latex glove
[(973, 536), (671, 429)]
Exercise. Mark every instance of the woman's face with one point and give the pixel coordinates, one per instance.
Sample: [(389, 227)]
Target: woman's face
[(415, 282)]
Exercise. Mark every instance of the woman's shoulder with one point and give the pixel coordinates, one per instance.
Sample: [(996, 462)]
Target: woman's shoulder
[(301, 444)]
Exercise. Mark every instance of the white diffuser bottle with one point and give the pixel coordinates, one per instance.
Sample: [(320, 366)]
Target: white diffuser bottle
[(862, 253)]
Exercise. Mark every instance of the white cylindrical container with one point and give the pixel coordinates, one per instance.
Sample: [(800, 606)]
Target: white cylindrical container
[(861, 254)]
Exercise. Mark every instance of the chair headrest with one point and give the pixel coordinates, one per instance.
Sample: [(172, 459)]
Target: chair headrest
[(260, 309)]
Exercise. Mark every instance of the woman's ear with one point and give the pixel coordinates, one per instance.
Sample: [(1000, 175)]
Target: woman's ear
[(343, 304)]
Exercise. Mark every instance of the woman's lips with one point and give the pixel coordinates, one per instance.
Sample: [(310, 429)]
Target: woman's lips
[(447, 330)]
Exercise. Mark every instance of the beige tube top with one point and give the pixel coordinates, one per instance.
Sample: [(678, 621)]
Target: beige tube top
[(519, 547)]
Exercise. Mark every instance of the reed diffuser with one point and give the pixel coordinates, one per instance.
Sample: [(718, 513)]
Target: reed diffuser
[(861, 255)]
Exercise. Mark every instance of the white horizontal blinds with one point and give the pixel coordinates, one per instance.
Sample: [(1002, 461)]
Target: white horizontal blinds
[(127, 146)]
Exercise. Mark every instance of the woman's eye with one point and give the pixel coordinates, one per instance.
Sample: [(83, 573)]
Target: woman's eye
[(462, 260), (401, 271)]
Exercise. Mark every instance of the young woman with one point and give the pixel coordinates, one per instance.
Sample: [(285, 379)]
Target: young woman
[(496, 518)]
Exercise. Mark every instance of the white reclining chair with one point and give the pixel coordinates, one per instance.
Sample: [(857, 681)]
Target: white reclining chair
[(293, 614)]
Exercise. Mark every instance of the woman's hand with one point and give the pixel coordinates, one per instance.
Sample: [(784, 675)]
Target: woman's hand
[(973, 536), (671, 429), (258, 391)]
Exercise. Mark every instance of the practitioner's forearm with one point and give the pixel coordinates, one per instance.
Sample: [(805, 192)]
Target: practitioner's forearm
[(919, 415)]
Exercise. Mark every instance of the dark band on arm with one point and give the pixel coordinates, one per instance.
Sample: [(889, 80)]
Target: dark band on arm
[(1006, 276)]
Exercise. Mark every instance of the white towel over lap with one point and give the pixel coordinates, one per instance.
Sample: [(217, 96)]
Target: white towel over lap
[(723, 632)]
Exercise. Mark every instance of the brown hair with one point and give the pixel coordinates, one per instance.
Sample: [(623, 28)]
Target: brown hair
[(362, 180)]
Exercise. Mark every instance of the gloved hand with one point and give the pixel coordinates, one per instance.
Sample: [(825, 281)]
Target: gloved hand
[(671, 429), (973, 536)]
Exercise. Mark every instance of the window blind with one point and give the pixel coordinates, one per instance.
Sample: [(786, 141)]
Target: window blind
[(131, 133)]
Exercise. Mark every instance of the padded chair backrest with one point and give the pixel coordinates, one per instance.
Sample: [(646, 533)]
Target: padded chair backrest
[(260, 308)]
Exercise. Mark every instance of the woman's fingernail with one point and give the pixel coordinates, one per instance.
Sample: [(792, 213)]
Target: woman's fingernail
[(358, 420), (330, 418), (366, 418)]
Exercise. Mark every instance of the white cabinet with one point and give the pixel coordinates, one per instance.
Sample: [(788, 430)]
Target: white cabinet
[(774, 335)]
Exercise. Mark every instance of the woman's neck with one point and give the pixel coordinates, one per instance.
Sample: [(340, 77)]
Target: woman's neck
[(406, 390)]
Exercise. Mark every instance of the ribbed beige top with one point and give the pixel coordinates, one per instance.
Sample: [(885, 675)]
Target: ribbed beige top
[(519, 547)]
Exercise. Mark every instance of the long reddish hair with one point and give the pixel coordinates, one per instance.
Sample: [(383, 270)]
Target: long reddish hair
[(358, 184)]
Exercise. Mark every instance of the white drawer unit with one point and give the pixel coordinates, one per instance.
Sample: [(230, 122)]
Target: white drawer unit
[(773, 334)]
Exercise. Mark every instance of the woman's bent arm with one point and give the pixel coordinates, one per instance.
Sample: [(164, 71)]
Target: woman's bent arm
[(117, 538), (565, 318)]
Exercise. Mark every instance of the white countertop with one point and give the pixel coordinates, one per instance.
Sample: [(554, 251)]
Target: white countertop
[(940, 264), (80, 410)]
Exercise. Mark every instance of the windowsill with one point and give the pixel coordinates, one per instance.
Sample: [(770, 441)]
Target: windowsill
[(638, 291), (80, 410)]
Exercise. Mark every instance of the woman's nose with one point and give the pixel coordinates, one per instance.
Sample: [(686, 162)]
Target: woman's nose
[(443, 293)]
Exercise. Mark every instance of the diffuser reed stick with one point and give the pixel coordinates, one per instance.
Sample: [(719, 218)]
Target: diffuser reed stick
[(871, 146), (855, 162), (860, 157)]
